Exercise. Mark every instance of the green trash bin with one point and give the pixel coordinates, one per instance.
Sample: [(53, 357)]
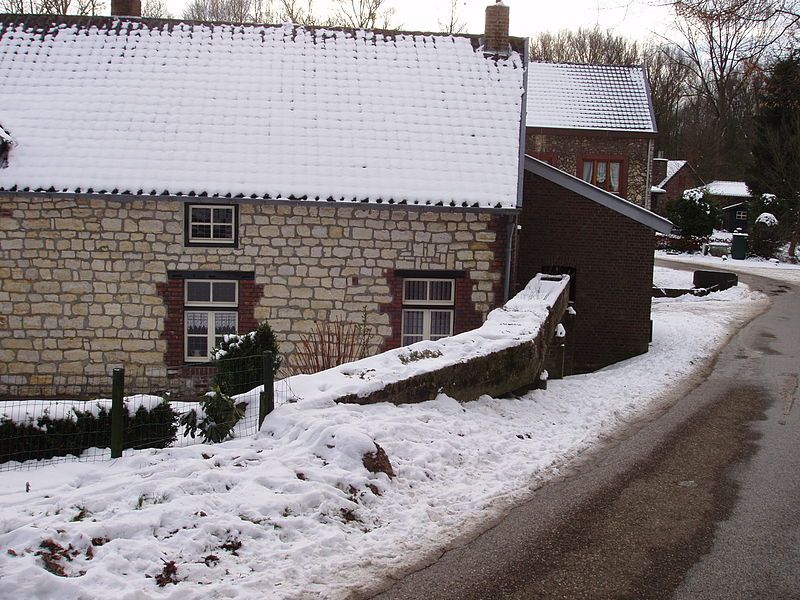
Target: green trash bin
[(739, 246)]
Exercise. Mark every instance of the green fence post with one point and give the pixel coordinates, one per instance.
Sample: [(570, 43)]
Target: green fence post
[(117, 392), (267, 400)]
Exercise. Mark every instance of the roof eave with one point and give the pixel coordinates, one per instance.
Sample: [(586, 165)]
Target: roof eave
[(596, 132), (595, 194)]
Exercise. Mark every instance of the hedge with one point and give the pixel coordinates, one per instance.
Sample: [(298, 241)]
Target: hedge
[(71, 435)]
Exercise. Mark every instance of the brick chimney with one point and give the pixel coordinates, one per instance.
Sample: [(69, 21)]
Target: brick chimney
[(496, 32), (659, 170), (126, 8)]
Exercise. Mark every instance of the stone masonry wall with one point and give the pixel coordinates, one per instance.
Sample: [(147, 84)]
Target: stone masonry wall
[(565, 152), (83, 281)]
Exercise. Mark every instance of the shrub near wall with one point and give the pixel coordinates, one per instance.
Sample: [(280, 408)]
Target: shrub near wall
[(76, 431)]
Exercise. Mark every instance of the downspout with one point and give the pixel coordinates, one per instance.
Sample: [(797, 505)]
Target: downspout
[(511, 225)]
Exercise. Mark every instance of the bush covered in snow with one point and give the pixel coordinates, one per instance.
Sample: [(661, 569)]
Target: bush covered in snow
[(239, 360), (46, 436), (765, 236), (694, 213)]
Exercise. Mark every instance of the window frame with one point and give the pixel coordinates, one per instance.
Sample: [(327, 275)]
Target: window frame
[(427, 307), (212, 242), (741, 215), (211, 309), (608, 159)]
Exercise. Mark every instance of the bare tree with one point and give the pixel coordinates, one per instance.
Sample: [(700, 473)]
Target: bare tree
[(453, 23), (229, 10), (586, 46), (364, 14), (668, 76), (156, 9), (300, 12), (18, 7), (723, 43)]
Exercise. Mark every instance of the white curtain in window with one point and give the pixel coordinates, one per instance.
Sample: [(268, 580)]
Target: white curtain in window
[(601, 174), (587, 171), (614, 166)]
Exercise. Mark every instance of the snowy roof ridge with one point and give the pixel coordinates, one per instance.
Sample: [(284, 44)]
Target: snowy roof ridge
[(170, 108), (589, 97), (673, 166)]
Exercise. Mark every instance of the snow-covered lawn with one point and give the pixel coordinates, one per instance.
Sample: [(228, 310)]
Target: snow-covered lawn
[(293, 513)]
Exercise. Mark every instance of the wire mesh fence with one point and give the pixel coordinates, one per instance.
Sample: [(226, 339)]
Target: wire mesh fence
[(139, 409)]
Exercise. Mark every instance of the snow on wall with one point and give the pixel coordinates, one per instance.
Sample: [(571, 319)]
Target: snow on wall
[(262, 111), (571, 96), (515, 324)]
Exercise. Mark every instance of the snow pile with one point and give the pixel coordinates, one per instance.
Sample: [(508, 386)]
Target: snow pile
[(121, 105), (672, 279), (767, 219), (293, 512), (514, 324)]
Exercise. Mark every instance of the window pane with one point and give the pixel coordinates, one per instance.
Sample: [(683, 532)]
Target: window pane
[(196, 323), (198, 291), (441, 323), (224, 323), (415, 290), (223, 215), (587, 171), (411, 339), (412, 322), (601, 174), (201, 231), (441, 290), (223, 232), (614, 183), (197, 346), (224, 291), (201, 215)]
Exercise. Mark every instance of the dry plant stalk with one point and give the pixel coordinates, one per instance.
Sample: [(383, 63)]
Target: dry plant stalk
[(330, 344)]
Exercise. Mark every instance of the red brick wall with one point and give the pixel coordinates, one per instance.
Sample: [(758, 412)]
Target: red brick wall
[(613, 259), (172, 292)]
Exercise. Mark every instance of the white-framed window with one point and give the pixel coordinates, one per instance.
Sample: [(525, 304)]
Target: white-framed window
[(428, 309), (210, 224), (210, 314), (741, 215)]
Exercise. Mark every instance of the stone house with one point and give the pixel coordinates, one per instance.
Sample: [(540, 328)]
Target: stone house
[(166, 183), (157, 195), (670, 179), (595, 122)]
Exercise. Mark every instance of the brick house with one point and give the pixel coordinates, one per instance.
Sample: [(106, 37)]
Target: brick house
[(157, 195), (605, 243), (595, 122), (670, 179)]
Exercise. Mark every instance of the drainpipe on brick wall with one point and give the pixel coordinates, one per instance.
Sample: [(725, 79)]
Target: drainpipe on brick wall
[(511, 228)]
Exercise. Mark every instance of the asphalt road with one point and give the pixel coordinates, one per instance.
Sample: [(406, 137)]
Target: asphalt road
[(698, 500)]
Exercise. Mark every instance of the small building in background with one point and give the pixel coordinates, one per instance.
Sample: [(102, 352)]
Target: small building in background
[(670, 179)]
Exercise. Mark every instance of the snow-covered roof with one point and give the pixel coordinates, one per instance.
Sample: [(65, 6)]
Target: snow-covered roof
[(107, 105), (737, 189), (598, 195), (673, 166), (571, 96)]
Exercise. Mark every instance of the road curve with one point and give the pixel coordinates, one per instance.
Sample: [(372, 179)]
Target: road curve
[(699, 500)]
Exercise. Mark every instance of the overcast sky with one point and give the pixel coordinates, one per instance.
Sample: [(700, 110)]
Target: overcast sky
[(636, 19)]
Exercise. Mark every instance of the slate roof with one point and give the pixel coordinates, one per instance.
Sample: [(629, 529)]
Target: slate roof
[(119, 105), (593, 97)]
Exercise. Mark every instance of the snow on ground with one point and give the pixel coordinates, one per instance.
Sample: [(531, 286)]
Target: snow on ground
[(751, 266), (666, 278), (311, 520)]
